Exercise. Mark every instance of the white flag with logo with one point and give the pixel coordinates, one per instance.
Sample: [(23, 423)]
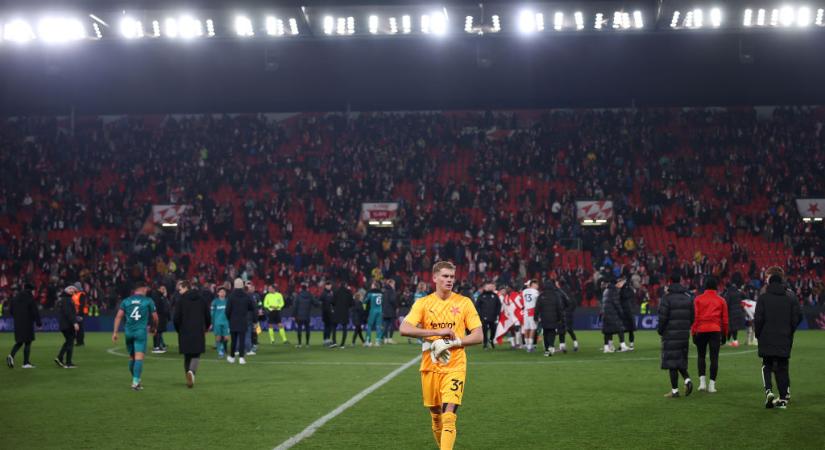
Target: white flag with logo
[(811, 207), (594, 210)]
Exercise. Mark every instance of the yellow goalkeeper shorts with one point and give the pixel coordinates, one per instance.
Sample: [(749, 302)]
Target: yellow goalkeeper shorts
[(439, 388)]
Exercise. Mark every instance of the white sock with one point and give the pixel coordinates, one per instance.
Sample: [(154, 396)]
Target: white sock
[(562, 346), (529, 342), (575, 343), (712, 383), (675, 391), (702, 380), (687, 380)]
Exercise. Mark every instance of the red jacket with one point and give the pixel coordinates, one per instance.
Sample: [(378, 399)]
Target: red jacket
[(710, 314)]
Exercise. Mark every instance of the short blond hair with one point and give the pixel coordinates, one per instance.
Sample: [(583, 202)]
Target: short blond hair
[(443, 265)]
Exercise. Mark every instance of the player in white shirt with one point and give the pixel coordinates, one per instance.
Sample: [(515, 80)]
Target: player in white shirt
[(530, 296), (750, 309)]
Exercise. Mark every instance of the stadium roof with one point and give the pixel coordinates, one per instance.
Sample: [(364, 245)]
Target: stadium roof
[(339, 57)]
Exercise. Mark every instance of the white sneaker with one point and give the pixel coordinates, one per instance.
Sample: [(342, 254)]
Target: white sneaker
[(609, 349), (230, 360), (377, 344), (702, 385), (190, 378), (632, 346), (28, 366), (624, 348), (712, 387), (251, 353), (242, 361)]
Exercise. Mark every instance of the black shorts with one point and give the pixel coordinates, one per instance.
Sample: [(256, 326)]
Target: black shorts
[(274, 317)]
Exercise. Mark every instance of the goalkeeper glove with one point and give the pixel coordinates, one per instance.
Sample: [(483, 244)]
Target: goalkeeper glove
[(440, 350)]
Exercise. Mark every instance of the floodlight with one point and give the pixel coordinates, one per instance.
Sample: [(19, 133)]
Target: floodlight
[(243, 26), (372, 24), (18, 31), (637, 20), (579, 19), (716, 17), (59, 30), (329, 24)]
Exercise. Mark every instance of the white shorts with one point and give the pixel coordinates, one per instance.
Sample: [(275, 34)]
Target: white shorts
[(529, 324)]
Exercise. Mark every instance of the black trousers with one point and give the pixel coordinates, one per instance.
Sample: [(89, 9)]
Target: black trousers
[(343, 330), (702, 342), (302, 324), (564, 331), (238, 342), (609, 336), (777, 366), (549, 338), (488, 328), (674, 377), (358, 333), (187, 362), (80, 337), (389, 326), (68, 346), (27, 350), (329, 328)]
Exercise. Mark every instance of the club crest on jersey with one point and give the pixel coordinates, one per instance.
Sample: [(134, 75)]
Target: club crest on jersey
[(455, 310)]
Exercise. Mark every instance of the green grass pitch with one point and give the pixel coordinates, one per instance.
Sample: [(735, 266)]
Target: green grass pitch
[(513, 400)]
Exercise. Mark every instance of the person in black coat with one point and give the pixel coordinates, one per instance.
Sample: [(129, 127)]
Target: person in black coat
[(304, 302), (67, 322), (161, 298), (358, 315), (238, 307), (24, 311), (341, 304), (736, 315), (627, 297), (775, 320), (569, 307), (489, 307), (675, 319), (550, 314), (612, 315), (389, 310), (192, 320), (326, 314)]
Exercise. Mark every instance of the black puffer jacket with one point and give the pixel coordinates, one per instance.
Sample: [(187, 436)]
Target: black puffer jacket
[(627, 296), (736, 316), (611, 310), (569, 306), (66, 315), (675, 319), (192, 318), (775, 320), (237, 308), (549, 310), (489, 306)]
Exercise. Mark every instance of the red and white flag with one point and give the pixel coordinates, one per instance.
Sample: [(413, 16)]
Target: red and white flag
[(167, 213), (811, 207), (512, 313), (594, 210)]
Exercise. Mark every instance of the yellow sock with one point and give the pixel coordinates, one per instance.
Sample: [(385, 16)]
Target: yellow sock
[(448, 431), (282, 333), (271, 335), (436, 428)]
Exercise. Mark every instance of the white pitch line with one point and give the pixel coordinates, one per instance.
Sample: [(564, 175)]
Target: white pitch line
[(592, 360), (113, 351), (313, 427)]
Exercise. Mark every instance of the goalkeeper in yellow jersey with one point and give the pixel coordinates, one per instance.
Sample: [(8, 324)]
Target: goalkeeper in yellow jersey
[(442, 319)]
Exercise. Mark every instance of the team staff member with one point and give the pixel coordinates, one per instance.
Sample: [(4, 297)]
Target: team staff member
[(709, 329), (67, 320), (675, 319), (550, 313), (192, 320), (443, 318), (489, 307), (24, 311), (775, 321)]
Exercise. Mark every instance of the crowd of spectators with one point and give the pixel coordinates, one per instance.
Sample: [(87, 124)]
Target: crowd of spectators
[(281, 197)]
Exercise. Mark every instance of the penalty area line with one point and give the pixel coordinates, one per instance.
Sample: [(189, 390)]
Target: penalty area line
[(314, 426)]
